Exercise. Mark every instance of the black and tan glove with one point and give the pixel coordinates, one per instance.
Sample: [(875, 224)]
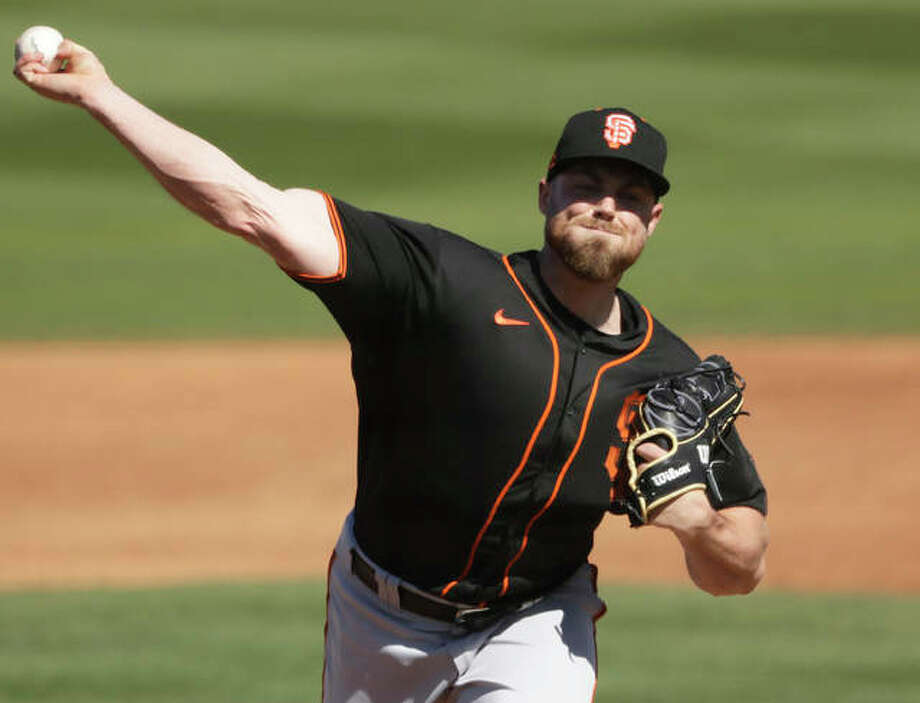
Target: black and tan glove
[(686, 416)]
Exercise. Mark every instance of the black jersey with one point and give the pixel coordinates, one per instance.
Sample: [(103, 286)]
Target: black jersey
[(487, 410)]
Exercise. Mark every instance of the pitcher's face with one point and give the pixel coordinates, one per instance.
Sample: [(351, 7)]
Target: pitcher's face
[(599, 214)]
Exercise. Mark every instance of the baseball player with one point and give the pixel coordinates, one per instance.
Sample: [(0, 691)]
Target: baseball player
[(506, 404)]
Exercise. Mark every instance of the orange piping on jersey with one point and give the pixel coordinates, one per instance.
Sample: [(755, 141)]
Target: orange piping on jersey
[(533, 437), (336, 223), (581, 435)]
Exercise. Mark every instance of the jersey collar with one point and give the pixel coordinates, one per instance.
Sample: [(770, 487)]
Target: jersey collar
[(634, 324)]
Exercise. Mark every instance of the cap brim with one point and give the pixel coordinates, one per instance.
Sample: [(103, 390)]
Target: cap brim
[(660, 184)]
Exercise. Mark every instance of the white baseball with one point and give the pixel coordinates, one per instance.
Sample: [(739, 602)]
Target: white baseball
[(44, 40)]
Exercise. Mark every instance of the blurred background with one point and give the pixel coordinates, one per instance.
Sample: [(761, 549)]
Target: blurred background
[(167, 491), (792, 133)]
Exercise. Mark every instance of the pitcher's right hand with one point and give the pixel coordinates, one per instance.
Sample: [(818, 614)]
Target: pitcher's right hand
[(81, 77)]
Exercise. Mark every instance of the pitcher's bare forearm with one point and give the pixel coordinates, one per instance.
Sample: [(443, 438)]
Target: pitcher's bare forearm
[(291, 225), (724, 550), (196, 173), (727, 557)]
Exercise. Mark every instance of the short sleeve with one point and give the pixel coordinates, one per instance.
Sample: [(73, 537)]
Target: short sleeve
[(736, 476), (387, 266)]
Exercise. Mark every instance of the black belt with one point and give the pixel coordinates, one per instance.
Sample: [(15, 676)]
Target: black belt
[(419, 604)]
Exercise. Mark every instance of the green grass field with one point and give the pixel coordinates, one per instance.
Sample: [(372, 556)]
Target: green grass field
[(263, 643), (794, 152)]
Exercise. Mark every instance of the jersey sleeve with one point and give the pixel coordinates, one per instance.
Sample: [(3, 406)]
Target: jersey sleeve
[(736, 476), (386, 271)]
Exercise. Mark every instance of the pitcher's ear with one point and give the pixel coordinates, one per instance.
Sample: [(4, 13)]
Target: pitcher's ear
[(543, 196)]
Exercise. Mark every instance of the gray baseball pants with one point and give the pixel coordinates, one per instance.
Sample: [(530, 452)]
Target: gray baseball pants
[(377, 653)]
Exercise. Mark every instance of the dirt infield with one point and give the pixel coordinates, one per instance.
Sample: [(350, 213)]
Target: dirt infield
[(131, 463)]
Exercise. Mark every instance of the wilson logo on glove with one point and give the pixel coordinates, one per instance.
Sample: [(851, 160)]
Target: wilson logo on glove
[(685, 415), (669, 475)]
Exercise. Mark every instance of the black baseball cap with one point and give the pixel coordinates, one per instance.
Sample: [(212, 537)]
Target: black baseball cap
[(613, 133)]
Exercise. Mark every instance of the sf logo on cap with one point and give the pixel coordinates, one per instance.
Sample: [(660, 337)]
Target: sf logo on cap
[(619, 130)]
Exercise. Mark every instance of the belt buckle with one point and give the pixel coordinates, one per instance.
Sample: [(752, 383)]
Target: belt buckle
[(475, 618)]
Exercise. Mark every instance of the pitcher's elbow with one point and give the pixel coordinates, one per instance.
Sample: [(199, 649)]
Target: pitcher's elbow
[(746, 583), (736, 582)]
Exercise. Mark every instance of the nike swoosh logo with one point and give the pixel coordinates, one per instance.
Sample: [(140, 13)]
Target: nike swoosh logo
[(500, 319)]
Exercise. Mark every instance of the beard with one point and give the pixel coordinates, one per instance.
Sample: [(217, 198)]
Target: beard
[(602, 257)]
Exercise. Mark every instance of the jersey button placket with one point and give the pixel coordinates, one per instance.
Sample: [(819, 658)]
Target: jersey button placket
[(566, 434), (577, 351), (581, 351)]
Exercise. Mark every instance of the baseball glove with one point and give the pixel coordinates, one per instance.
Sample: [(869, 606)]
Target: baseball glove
[(686, 415)]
